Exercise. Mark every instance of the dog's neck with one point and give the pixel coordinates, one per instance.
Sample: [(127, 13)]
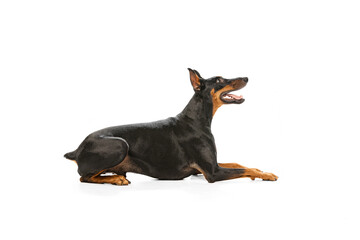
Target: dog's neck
[(199, 111)]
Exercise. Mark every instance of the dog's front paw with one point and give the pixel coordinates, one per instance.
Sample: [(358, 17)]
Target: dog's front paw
[(256, 173), (268, 177)]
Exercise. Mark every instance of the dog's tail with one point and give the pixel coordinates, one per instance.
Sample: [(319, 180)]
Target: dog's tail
[(70, 155)]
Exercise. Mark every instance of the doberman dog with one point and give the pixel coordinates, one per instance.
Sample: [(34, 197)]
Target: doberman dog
[(170, 149)]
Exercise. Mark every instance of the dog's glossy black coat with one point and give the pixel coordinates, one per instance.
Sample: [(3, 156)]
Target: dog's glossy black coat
[(174, 148)]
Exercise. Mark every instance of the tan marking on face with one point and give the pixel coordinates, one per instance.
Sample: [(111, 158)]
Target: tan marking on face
[(217, 102)]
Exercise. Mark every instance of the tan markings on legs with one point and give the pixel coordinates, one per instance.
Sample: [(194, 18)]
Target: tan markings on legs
[(254, 173), (114, 179), (234, 165), (230, 165), (251, 172)]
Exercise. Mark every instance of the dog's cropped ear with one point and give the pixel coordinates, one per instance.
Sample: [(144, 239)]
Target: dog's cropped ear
[(195, 79)]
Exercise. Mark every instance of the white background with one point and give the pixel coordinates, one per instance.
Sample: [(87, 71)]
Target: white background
[(68, 68)]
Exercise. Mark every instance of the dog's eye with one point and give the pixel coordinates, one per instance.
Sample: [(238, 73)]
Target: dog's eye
[(219, 80)]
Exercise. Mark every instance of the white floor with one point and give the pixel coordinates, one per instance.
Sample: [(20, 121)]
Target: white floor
[(56, 205)]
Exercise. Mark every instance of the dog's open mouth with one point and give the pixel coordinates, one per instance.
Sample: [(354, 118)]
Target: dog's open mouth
[(226, 97)]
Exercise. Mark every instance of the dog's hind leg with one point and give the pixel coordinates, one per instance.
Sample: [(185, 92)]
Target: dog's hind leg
[(114, 179), (97, 154)]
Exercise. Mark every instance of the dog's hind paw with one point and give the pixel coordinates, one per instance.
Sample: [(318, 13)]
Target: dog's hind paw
[(121, 180)]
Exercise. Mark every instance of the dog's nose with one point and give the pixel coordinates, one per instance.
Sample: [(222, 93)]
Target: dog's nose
[(245, 79)]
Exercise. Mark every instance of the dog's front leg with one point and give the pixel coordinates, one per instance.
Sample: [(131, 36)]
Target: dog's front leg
[(215, 173), (252, 172), (236, 165)]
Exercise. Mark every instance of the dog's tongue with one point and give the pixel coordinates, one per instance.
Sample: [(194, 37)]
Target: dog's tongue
[(235, 96)]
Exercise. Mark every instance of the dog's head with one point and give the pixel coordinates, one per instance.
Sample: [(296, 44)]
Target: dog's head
[(218, 88)]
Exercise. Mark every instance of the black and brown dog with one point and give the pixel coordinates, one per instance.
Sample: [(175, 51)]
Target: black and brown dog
[(172, 149)]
